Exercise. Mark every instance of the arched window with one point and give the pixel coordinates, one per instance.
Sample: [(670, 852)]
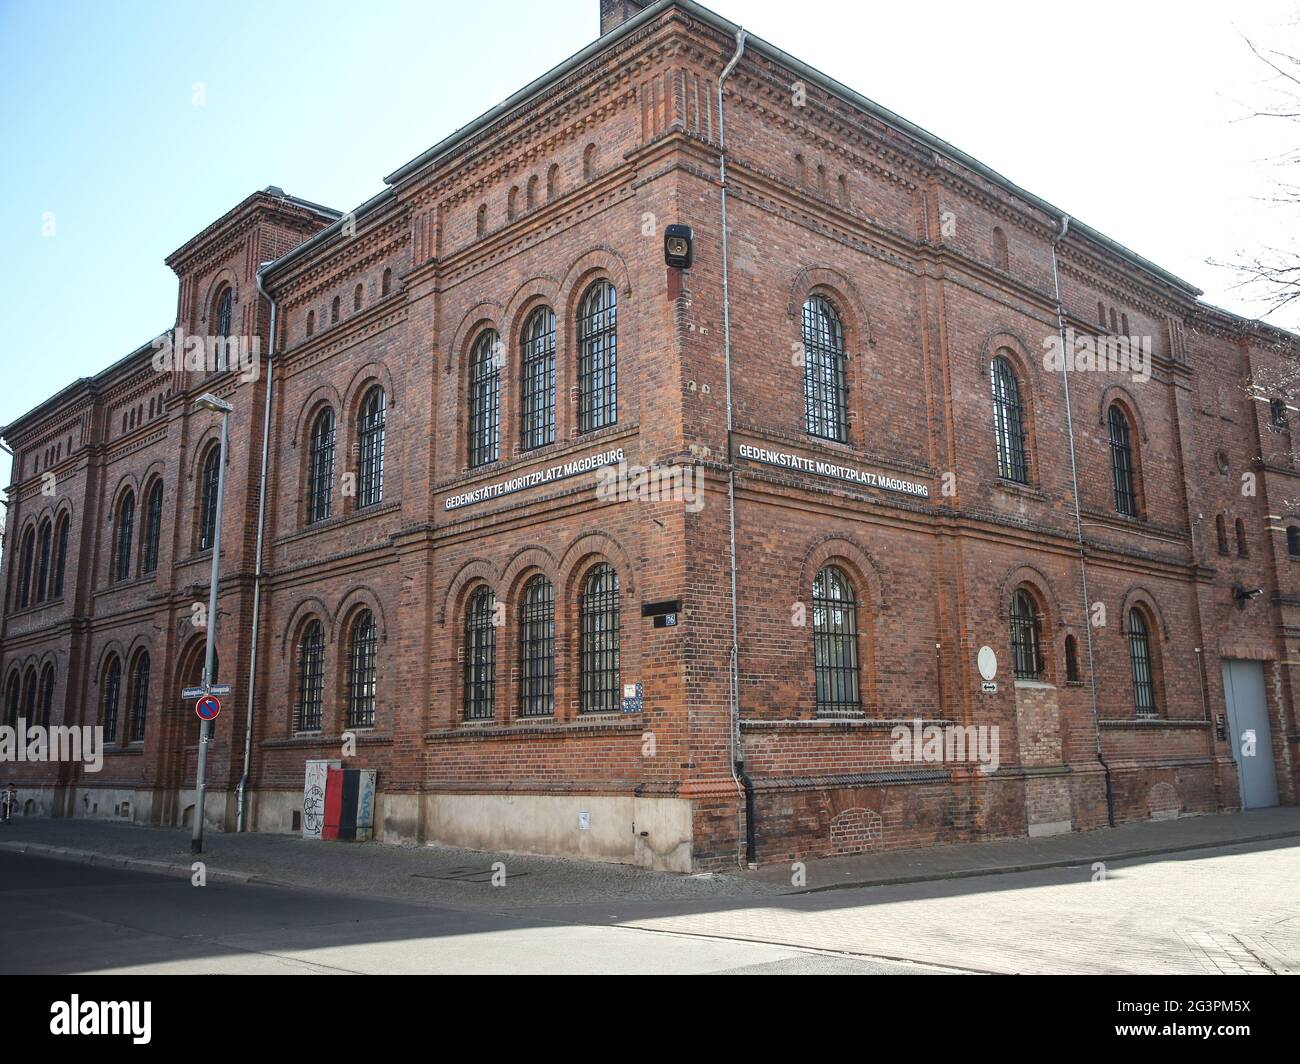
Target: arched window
[(112, 695), (1221, 529), (225, 312), (512, 204), (47, 696), (320, 467), (311, 322), (125, 528), (334, 311), (60, 557), (152, 528), (835, 642), (370, 440), (537, 369), (356, 298), (537, 649), (1001, 254), (25, 562), (209, 485), (11, 700), (1026, 637), (553, 181), (43, 564), (1242, 550), (598, 358), (311, 677), (1139, 649), (387, 286), (599, 648), (480, 656), (139, 696), (361, 672), (484, 399), (1293, 541), (589, 162), (1121, 462), (1008, 423), (481, 223), (825, 382), (844, 191), (1071, 660), (29, 696)]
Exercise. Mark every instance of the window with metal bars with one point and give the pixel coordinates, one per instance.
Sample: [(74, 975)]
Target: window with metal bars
[(537, 380), (1026, 637), (361, 673), (152, 529), (598, 357), (43, 565), (311, 677), (485, 399), (370, 440), (60, 557), (835, 643), (125, 522), (112, 695), (225, 311), (320, 471), (139, 698), (1139, 650), (825, 379), (599, 649), (1009, 423), (208, 486), (11, 700), (47, 695), (480, 655), (1121, 462), (537, 649), (29, 696)]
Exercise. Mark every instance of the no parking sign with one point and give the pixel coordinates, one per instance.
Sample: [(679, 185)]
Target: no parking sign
[(208, 707)]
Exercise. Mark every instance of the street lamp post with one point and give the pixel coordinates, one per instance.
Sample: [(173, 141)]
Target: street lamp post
[(208, 401)]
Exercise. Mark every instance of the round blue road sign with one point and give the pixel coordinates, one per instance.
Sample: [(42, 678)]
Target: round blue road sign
[(208, 707)]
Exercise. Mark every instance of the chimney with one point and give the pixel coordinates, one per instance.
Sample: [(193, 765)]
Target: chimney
[(613, 13)]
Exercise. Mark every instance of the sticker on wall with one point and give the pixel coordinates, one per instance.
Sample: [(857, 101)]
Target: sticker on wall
[(633, 698)]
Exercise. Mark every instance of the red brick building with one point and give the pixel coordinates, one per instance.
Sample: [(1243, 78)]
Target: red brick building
[(505, 448)]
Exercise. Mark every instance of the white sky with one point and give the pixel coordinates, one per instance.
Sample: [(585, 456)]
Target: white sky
[(1129, 116)]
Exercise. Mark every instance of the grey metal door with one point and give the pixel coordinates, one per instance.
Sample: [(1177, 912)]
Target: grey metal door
[(1252, 745)]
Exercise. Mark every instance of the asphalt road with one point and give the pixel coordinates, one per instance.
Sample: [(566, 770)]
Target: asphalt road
[(59, 917)]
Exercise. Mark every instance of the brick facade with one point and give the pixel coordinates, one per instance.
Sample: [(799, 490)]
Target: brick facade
[(933, 266)]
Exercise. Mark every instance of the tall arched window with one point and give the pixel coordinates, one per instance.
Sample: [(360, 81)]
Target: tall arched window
[(1001, 255), (47, 696), (225, 312), (1121, 462), (1243, 551), (1071, 660), (311, 677), (537, 371), (537, 649), (320, 467), (1139, 650), (1008, 423), (125, 528), (485, 399), (43, 563), (209, 484), (361, 672), (480, 656), (29, 696), (11, 700), (152, 528), (60, 557), (598, 357), (111, 697), (552, 181), (1026, 637), (825, 380), (835, 642), (334, 310), (356, 297), (370, 440), (1221, 530), (138, 696), (599, 648), (386, 284), (25, 561), (311, 323)]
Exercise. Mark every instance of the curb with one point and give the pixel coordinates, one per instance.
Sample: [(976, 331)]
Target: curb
[(1033, 866), (140, 864)]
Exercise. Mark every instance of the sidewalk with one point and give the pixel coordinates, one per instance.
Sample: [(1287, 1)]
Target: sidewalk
[(462, 879), (1126, 842)]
